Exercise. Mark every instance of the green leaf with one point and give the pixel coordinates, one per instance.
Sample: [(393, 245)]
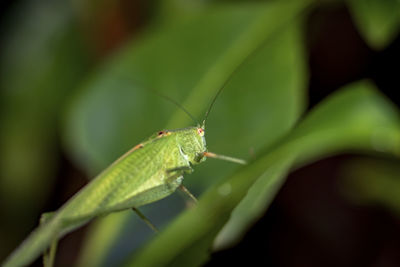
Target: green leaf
[(114, 111), (377, 20), (342, 118), (191, 59), (372, 181), (40, 63), (101, 236), (257, 200), (349, 120)]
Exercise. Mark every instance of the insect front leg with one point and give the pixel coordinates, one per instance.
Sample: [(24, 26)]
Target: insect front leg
[(180, 170)]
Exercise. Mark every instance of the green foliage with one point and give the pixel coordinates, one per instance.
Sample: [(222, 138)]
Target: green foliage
[(40, 64), (372, 182), (187, 52), (378, 20), (349, 120), (255, 118)]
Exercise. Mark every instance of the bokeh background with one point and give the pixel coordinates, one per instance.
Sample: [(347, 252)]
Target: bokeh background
[(317, 80)]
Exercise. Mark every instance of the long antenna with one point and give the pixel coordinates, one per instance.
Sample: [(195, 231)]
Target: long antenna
[(226, 82), (170, 100), (215, 98), (176, 104), (245, 59)]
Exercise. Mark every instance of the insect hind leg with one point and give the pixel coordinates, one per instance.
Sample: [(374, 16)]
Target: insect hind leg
[(144, 218), (50, 253), (180, 171), (188, 193)]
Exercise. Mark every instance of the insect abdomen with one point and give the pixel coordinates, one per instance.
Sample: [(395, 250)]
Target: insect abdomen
[(118, 186)]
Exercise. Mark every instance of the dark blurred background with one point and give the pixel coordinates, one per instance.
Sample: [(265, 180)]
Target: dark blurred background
[(315, 220)]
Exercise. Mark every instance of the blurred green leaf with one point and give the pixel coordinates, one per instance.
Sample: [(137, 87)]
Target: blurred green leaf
[(192, 58), (377, 20), (42, 59), (257, 200), (170, 10), (334, 125), (372, 181), (101, 237), (115, 111), (348, 120)]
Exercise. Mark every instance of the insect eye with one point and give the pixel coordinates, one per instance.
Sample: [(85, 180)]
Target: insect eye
[(161, 133), (200, 131)]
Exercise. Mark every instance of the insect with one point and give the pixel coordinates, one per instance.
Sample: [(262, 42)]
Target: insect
[(148, 172)]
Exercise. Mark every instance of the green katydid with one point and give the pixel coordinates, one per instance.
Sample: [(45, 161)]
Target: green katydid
[(148, 172)]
